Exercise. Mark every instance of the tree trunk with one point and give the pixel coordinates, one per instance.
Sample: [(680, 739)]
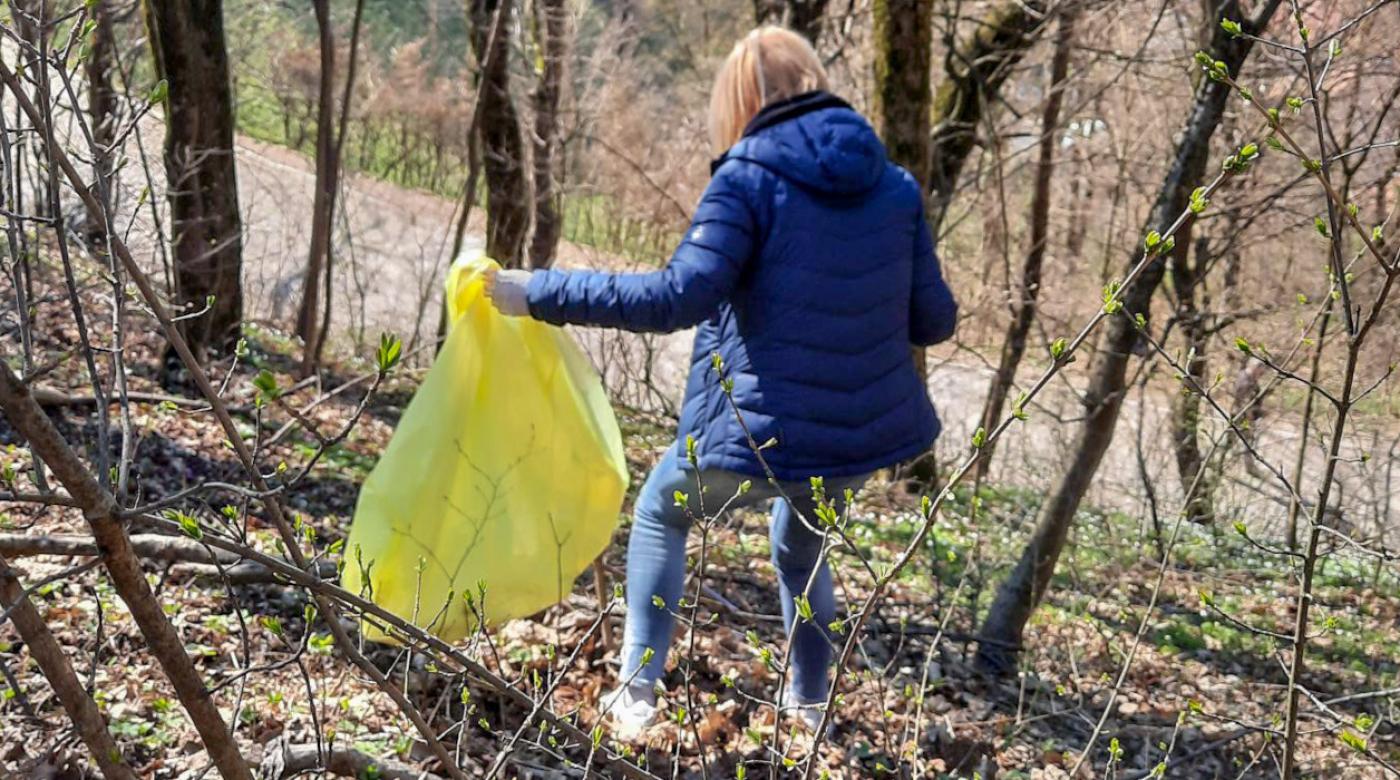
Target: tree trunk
[(104, 517), (903, 39), (322, 208), (102, 107), (507, 187), (1023, 589), (187, 41), (32, 18), (551, 30), (1023, 307), (903, 34), (1186, 405), (974, 70), (801, 16), (48, 654)]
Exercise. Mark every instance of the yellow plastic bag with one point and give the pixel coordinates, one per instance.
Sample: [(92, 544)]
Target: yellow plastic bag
[(505, 475)]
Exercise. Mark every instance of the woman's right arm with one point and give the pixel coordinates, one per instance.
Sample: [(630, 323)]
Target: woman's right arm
[(701, 274)]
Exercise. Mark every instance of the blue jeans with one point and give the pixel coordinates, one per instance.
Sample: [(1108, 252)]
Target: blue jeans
[(656, 566)]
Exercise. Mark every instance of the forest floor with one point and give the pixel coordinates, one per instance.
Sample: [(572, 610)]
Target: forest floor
[(1201, 693)]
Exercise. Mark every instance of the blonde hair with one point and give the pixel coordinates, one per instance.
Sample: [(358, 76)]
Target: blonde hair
[(767, 65)]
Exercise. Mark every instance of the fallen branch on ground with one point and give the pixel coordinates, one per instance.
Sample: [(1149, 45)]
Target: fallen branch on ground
[(285, 760)]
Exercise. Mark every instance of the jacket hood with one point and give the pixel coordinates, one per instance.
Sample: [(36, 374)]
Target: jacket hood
[(816, 140)]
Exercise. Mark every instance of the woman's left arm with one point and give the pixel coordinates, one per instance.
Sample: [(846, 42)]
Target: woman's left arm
[(701, 274)]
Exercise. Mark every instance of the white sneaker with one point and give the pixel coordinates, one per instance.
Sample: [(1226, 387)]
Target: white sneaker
[(632, 708), (808, 713)]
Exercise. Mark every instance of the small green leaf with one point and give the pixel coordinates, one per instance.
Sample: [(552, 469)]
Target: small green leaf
[(1018, 410), (1111, 304), (389, 352), (188, 525), (979, 438), (266, 385), (159, 92), (1199, 201), (804, 608), (1353, 740), (1058, 347), (1231, 27), (1239, 162)]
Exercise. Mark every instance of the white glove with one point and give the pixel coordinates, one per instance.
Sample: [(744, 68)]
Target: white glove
[(507, 291)]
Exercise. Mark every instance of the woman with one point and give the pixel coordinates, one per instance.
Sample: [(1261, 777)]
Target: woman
[(809, 269)]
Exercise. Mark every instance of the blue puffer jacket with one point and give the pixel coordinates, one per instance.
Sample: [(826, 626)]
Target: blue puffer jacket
[(810, 270)]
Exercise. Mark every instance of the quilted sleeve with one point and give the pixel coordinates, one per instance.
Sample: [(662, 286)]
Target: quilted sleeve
[(699, 277)]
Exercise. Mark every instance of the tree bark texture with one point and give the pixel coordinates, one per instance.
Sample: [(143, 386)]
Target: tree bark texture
[(322, 207), (1021, 592), (102, 104), (187, 41), (551, 31), (503, 149)]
